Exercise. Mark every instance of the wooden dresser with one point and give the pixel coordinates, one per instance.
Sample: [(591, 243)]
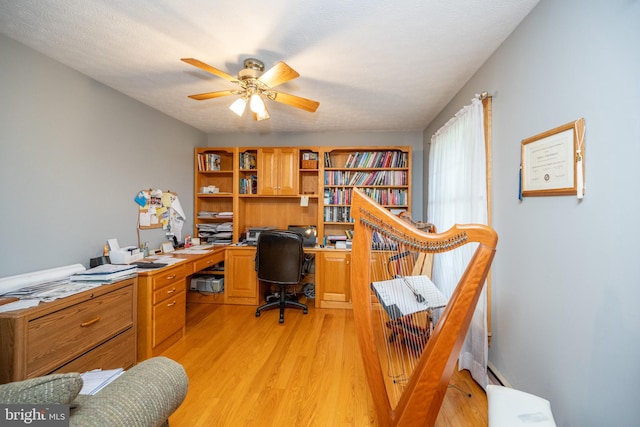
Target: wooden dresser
[(89, 330)]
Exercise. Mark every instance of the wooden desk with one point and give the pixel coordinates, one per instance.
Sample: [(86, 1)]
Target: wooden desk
[(332, 277), (162, 301), (163, 293)]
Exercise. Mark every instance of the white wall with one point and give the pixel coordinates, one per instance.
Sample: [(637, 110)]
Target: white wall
[(73, 154), (365, 139), (566, 322)]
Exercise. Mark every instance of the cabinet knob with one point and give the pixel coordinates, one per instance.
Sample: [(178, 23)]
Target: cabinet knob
[(171, 276), (172, 290), (171, 304)]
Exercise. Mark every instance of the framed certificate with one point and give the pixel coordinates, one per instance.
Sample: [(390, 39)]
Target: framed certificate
[(550, 161)]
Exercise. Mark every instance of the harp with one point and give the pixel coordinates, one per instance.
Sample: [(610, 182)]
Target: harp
[(409, 357)]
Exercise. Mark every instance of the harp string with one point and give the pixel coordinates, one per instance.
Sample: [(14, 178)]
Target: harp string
[(397, 260)]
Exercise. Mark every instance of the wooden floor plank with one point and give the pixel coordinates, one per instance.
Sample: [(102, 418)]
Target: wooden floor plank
[(248, 371)]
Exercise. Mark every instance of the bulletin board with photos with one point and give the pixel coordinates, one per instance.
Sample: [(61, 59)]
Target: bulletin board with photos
[(153, 207)]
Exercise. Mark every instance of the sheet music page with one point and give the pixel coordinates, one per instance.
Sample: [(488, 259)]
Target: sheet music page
[(395, 292)]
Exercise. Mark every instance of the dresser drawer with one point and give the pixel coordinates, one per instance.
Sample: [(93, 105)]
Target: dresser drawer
[(118, 352), (168, 276), (69, 332), (168, 291), (169, 317)]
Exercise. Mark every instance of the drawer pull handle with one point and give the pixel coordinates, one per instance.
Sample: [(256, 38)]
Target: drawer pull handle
[(90, 322), (171, 304), (173, 276), (171, 291)]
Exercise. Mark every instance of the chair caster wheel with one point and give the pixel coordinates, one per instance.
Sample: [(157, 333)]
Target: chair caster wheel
[(257, 314), (305, 311), (281, 320)]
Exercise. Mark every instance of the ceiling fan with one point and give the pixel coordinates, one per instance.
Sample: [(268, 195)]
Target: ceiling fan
[(254, 85)]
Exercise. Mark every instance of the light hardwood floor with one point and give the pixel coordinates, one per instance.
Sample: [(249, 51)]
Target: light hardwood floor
[(248, 371)]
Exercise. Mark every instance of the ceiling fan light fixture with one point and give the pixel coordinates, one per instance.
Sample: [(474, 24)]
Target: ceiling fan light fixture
[(257, 104), (263, 115), (238, 106), (255, 83)]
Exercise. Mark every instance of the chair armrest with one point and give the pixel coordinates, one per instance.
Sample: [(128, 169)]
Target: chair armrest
[(58, 389), (145, 395)]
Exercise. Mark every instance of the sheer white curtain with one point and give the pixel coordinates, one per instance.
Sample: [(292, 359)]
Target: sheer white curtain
[(457, 194)]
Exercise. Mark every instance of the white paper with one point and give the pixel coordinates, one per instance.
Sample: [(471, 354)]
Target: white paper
[(145, 219), (94, 381), (19, 305), (395, 292), (13, 283)]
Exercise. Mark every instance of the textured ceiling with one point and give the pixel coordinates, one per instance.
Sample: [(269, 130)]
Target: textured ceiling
[(375, 65)]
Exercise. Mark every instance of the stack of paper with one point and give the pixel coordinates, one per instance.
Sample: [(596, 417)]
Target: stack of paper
[(94, 381), (104, 273)]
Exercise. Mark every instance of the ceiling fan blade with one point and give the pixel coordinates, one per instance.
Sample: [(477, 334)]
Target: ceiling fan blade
[(295, 101), (210, 95), (208, 68), (278, 74)]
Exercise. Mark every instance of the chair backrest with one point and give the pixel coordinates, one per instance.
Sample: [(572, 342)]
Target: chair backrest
[(280, 257)]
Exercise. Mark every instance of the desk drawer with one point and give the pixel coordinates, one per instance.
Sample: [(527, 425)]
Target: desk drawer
[(168, 275), (209, 261), (168, 291), (67, 333), (169, 317)]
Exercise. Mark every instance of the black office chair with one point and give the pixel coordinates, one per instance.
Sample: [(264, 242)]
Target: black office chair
[(280, 260)]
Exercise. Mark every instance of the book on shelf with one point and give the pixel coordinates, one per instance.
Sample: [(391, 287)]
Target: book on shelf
[(247, 160), (208, 162)]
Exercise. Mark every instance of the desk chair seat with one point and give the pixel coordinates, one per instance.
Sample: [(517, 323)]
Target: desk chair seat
[(280, 260)]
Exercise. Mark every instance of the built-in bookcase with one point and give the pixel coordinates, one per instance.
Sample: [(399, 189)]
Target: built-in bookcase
[(383, 173), (301, 185), (215, 187)]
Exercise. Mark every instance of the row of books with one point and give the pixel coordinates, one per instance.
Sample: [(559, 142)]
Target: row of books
[(377, 159), (365, 178), (247, 160), (337, 214), (386, 196), (337, 196), (249, 185), (208, 162)]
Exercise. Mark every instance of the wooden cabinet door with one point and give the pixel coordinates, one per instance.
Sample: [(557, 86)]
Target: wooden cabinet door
[(334, 277), (241, 280), (278, 171), (267, 171), (288, 171)]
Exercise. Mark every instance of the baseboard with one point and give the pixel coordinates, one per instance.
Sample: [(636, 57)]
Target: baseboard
[(495, 373)]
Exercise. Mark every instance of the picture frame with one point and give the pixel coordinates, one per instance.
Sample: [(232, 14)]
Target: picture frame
[(552, 161)]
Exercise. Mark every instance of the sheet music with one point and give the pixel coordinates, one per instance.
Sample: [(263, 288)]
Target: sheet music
[(399, 300)]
